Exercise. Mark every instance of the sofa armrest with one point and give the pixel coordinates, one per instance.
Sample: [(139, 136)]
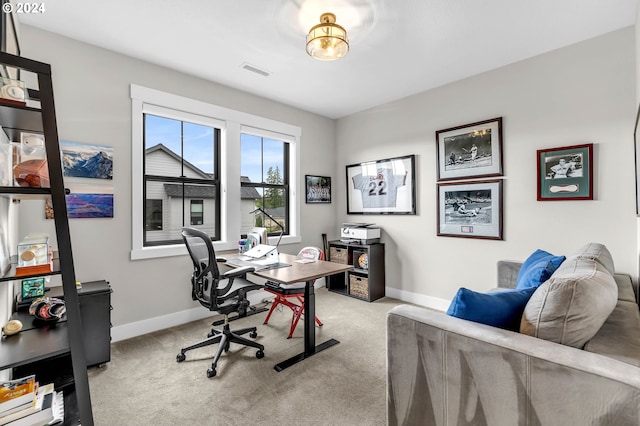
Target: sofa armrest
[(447, 370)]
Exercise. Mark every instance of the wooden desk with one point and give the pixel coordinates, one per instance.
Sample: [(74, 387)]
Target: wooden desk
[(306, 272)]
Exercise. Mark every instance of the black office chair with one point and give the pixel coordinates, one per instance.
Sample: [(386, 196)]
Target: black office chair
[(223, 293)]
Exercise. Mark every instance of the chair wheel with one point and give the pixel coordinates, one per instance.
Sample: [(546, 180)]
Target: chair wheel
[(211, 372), (253, 334), (260, 354), (181, 357), (226, 347)]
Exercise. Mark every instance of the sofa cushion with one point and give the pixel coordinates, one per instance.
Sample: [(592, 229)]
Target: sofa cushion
[(538, 268), (619, 336), (597, 252), (573, 304), (502, 308)]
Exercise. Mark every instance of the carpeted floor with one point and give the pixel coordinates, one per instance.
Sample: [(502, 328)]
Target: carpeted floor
[(343, 385)]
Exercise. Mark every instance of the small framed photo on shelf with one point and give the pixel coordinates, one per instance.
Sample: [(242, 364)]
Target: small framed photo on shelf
[(470, 151), (382, 187), (318, 189), (565, 173), (470, 209)]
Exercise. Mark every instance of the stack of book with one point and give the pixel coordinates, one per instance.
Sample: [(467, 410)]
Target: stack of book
[(24, 403)]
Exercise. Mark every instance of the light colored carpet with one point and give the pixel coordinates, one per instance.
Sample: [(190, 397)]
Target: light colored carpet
[(343, 385)]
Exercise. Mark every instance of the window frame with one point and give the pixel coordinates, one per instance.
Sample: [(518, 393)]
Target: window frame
[(213, 180), (231, 124), (285, 185)]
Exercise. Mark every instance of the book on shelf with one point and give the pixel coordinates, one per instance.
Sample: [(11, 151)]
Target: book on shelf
[(17, 393), (41, 417), (58, 409), (43, 400)]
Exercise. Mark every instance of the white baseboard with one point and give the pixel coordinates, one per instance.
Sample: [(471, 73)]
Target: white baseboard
[(418, 299), (150, 325)]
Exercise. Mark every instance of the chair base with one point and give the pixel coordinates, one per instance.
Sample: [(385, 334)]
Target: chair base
[(298, 310), (224, 338)]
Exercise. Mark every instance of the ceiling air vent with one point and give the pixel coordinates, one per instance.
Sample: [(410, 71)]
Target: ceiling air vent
[(255, 69)]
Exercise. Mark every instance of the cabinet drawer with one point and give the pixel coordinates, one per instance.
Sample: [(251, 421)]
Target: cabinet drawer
[(358, 286), (339, 255)]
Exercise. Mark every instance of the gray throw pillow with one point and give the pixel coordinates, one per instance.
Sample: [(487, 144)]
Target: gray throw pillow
[(571, 306)]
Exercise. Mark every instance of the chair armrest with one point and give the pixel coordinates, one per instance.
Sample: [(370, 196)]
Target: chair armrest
[(238, 272)]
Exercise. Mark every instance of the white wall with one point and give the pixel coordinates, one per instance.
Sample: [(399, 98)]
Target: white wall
[(91, 88), (579, 94)]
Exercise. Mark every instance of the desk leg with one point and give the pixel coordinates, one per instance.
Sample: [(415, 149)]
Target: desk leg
[(309, 316), (310, 347)]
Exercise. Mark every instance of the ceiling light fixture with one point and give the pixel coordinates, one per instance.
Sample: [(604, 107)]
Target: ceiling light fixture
[(327, 41)]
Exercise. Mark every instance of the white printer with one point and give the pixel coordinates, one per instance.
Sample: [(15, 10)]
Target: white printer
[(363, 233)]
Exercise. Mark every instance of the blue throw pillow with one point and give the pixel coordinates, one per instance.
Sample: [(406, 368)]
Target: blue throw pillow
[(501, 309), (537, 269)]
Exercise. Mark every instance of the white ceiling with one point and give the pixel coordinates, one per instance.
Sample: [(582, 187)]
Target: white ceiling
[(398, 47)]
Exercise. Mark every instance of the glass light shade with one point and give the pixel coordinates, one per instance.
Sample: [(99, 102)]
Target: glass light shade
[(327, 41)]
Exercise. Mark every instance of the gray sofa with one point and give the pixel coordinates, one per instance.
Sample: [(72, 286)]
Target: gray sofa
[(443, 370)]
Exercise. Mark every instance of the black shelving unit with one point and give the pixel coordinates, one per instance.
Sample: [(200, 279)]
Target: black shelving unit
[(45, 346), (366, 280)]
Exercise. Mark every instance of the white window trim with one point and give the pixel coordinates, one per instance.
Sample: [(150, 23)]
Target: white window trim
[(232, 123)]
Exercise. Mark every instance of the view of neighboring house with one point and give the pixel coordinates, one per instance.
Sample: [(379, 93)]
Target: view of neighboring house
[(165, 200)]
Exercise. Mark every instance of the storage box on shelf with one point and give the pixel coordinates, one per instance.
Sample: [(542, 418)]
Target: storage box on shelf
[(40, 179), (366, 281)]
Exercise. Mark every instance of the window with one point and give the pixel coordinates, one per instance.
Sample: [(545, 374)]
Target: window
[(197, 211), (153, 215), (180, 171), (264, 183), (191, 159)]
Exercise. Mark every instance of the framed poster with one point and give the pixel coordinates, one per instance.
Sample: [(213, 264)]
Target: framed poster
[(318, 189), (470, 209), (565, 173), (382, 187), (470, 151)]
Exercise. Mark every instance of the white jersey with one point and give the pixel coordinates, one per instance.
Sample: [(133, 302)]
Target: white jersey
[(379, 190)]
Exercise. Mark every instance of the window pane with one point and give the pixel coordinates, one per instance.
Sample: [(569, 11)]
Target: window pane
[(199, 147), (274, 203), (263, 161), (196, 212), (162, 143), (250, 198), (251, 157), (273, 161), (176, 201), (153, 220)]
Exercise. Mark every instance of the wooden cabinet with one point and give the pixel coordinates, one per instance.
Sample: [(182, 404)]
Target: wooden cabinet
[(366, 280), (37, 344)]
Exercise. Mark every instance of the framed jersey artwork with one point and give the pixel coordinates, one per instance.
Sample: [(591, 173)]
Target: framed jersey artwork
[(382, 187), (565, 173)]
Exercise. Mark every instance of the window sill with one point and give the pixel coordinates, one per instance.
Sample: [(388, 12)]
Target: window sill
[(180, 250)]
